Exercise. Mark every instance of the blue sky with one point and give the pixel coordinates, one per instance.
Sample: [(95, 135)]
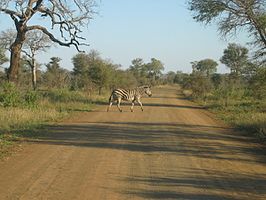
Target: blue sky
[(128, 29)]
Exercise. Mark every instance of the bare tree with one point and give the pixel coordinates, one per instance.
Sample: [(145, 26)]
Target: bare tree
[(67, 17), (36, 41)]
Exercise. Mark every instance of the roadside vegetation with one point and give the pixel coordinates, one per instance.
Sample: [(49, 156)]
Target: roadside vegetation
[(238, 97)]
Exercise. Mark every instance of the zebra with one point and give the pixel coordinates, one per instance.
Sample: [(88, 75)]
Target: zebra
[(132, 95)]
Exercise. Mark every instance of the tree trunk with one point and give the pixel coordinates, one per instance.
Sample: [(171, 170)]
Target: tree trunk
[(33, 74), (100, 90), (15, 54), (14, 63)]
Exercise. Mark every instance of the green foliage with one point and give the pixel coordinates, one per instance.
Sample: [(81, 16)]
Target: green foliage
[(138, 69), (241, 103), (232, 16), (258, 83), (80, 78), (123, 79), (31, 98), (9, 95), (147, 73), (170, 77), (181, 78), (154, 69), (55, 76), (206, 11), (65, 95), (206, 66), (236, 58), (200, 85)]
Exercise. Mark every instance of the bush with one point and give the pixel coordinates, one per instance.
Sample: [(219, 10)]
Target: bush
[(9, 95), (258, 84), (64, 95), (31, 98)]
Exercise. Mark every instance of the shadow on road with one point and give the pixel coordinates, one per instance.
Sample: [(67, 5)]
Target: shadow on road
[(200, 142), (199, 180)]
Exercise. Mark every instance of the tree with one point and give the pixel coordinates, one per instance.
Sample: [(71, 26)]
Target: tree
[(206, 66), (55, 76), (233, 15), (236, 58), (200, 85), (80, 70), (258, 83), (82, 63), (154, 69), (65, 16), (123, 79), (170, 77), (3, 59), (35, 42), (24, 75), (138, 69), (7, 38), (181, 78), (99, 73)]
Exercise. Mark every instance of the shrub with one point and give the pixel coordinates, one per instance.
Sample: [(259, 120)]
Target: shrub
[(31, 98), (9, 95), (64, 95)]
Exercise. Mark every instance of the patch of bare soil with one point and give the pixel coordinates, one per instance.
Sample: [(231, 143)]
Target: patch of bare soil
[(172, 150)]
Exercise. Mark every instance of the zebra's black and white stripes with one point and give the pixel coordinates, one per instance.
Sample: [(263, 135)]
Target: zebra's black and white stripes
[(132, 95)]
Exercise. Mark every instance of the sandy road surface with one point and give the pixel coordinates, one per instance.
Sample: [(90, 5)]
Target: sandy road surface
[(172, 150)]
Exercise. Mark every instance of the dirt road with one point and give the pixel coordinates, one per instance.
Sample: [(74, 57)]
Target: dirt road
[(172, 150)]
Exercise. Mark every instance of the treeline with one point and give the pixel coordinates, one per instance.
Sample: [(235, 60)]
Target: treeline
[(90, 73), (247, 78)]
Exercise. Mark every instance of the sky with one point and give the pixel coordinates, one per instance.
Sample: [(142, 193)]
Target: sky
[(163, 29)]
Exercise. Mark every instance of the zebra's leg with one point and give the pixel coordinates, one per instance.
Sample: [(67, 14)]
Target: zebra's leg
[(118, 104), (132, 105), (109, 106), (140, 104), (111, 99)]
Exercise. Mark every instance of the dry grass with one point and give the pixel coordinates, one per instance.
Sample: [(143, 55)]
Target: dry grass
[(15, 122), (17, 118)]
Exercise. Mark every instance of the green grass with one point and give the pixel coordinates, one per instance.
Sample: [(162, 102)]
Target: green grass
[(18, 121), (240, 110), (246, 114)]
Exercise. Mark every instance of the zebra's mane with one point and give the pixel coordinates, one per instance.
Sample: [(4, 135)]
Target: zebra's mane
[(142, 89), (143, 86)]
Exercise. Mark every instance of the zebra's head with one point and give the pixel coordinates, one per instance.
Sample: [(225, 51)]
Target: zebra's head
[(147, 90)]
